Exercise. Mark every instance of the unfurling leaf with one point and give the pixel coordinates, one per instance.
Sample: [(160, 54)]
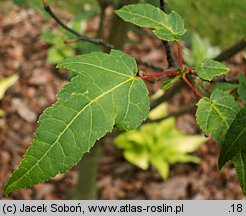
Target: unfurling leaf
[(209, 69), (215, 115), (166, 26), (105, 93), (168, 83), (200, 49), (235, 138)]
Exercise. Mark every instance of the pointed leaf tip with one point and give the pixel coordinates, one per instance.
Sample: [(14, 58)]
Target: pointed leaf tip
[(101, 96)]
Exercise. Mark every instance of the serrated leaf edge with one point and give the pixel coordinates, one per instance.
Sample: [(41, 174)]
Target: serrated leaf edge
[(7, 187)]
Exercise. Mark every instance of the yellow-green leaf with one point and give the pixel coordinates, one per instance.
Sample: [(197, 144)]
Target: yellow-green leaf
[(6, 83), (209, 69), (216, 114)]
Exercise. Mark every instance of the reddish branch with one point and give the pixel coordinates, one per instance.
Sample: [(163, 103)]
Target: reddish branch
[(180, 56), (192, 87), (159, 74)]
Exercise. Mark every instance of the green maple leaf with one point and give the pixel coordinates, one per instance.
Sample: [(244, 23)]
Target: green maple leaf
[(209, 69), (105, 93), (166, 26), (242, 87), (215, 114), (239, 162), (235, 138)]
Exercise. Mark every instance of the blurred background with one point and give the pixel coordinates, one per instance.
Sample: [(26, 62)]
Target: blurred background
[(163, 159)]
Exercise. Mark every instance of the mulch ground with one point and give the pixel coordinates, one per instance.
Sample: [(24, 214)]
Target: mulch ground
[(23, 53)]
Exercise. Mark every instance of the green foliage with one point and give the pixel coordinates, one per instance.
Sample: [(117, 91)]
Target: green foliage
[(74, 6), (242, 87), (215, 115), (223, 86), (168, 83), (159, 144), (209, 69), (239, 162), (19, 2), (221, 116), (59, 50), (30, 3), (104, 94), (235, 138), (221, 21), (166, 26), (200, 50)]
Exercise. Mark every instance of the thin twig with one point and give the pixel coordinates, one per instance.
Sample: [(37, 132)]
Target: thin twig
[(231, 51), (81, 37), (170, 60), (180, 56), (159, 74), (192, 87)]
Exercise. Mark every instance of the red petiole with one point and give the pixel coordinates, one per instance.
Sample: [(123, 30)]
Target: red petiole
[(159, 74), (182, 67), (180, 56), (192, 87), (175, 73)]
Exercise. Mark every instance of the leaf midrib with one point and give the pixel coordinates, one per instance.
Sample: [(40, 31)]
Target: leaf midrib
[(221, 116), (211, 67), (160, 24), (58, 138), (97, 66)]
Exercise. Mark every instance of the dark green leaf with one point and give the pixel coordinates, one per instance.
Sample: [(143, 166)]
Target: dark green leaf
[(242, 87), (235, 138), (239, 162)]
